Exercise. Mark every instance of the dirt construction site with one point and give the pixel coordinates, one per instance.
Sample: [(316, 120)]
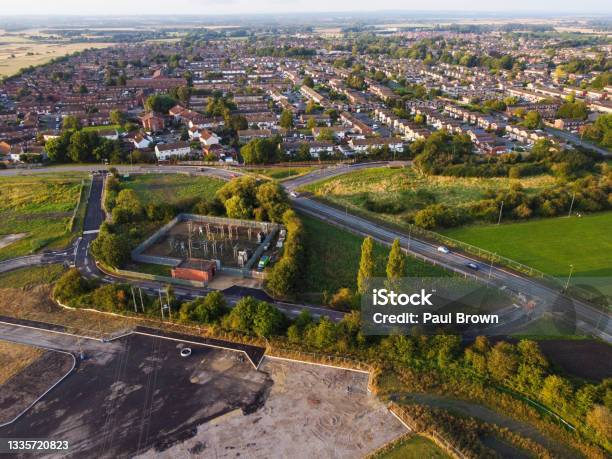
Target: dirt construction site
[(137, 396), (311, 411)]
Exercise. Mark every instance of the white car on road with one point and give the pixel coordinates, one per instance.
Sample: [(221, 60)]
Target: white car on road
[(443, 249)]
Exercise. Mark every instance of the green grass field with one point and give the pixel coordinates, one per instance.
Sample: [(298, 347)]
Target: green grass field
[(31, 277), (333, 259), (368, 190), (549, 245), (171, 188), (415, 447), (40, 208)]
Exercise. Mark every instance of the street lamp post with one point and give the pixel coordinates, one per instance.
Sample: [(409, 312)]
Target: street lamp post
[(571, 205), (569, 277), (501, 208)]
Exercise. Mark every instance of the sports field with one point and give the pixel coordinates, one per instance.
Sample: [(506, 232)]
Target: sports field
[(171, 188), (550, 245), (36, 212)]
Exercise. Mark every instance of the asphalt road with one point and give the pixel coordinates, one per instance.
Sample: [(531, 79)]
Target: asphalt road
[(576, 140), (585, 317), (85, 263)]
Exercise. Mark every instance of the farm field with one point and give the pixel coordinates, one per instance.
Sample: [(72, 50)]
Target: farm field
[(393, 194), (333, 259), (36, 212), (549, 245), (17, 51), (414, 447), (171, 188)]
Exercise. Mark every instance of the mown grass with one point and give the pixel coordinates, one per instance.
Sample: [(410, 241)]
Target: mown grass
[(27, 278), (40, 206), (550, 245), (171, 188), (333, 258), (414, 447), (405, 191)]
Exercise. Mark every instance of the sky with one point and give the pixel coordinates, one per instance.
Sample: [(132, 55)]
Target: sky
[(215, 7)]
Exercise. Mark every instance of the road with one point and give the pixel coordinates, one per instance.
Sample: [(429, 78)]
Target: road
[(585, 317), (576, 140), (85, 263)]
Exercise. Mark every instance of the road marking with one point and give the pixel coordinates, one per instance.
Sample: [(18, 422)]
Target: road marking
[(91, 231)]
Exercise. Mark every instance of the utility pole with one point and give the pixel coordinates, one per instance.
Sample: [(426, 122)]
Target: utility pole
[(501, 208), (571, 205), (409, 234), (168, 299), (141, 300), (133, 298), (569, 277), (161, 304), (491, 265)]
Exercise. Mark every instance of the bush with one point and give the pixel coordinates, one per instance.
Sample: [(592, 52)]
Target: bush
[(71, 286)]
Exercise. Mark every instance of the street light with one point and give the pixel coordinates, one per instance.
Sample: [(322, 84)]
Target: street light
[(569, 277)]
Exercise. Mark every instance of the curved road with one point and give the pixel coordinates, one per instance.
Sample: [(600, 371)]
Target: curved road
[(585, 317)]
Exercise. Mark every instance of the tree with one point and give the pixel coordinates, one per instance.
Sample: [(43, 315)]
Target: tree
[(311, 123), (272, 198), (71, 122), (556, 392), (111, 249), (600, 419), (117, 117), (260, 151), (503, 361), (286, 119), (70, 286), (236, 207), (366, 266), (308, 81), (80, 147), (396, 265), (532, 120), (205, 310), (160, 103)]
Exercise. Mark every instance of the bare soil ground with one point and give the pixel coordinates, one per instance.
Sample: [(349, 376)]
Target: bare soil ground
[(24, 387), (308, 413)]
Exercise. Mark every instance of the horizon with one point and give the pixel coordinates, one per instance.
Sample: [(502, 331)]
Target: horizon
[(195, 8)]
